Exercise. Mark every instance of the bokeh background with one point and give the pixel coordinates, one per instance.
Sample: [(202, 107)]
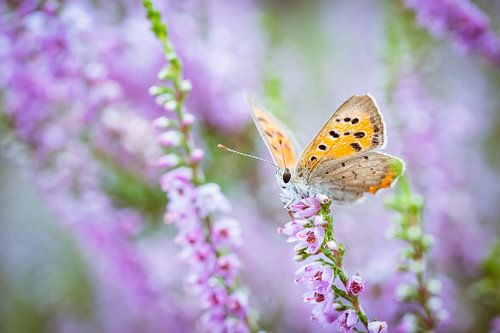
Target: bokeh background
[(82, 243)]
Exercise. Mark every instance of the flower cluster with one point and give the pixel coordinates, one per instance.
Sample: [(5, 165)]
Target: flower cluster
[(208, 241), (466, 24), (408, 228), (195, 207), (44, 72), (332, 292)]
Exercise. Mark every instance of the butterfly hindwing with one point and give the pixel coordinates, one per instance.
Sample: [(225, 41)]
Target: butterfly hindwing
[(277, 137), (348, 179), (356, 127)]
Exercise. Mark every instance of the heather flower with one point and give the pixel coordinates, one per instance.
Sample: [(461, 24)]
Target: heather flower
[(306, 208), (319, 276), (226, 232), (168, 161), (170, 139), (210, 200), (326, 311), (50, 92), (196, 207), (316, 277), (355, 285), (291, 229), (347, 320), (310, 239), (463, 21), (377, 327)]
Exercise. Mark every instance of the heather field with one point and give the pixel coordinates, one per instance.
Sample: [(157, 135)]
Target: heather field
[(128, 201)]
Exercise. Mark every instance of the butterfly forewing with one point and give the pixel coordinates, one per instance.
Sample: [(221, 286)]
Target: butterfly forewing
[(276, 136), (347, 180), (355, 128)]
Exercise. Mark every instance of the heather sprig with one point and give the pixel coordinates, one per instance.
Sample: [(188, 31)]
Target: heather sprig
[(208, 238), (422, 294), (333, 292), (462, 21)]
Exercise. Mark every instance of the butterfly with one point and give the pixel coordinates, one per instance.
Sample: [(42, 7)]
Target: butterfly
[(342, 161)]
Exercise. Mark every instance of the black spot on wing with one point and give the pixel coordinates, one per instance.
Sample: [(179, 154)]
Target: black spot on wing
[(334, 134), (356, 146)]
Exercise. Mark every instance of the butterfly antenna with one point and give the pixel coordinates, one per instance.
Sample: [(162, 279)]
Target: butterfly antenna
[(246, 155)]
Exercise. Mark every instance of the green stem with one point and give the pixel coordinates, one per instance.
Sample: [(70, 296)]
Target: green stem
[(336, 263)]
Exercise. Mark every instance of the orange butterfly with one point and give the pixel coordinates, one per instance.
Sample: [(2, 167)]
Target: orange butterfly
[(342, 161)]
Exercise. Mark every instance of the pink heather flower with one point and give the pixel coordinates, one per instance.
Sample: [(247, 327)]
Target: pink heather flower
[(234, 325), (310, 239), (209, 199), (306, 208), (238, 304), (227, 267), (191, 237), (332, 245), (168, 161), (162, 123), (348, 319), (197, 156), (214, 296), (316, 277), (182, 175), (377, 327), (170, 138), (291, 229), (226, 232), (202, 256), (355, 285), (325, 312), (188, 119)]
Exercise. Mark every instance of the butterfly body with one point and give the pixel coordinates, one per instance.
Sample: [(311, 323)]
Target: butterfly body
[(342, 161)]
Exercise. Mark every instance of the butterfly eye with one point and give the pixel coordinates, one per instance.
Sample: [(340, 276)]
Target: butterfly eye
[(286, 176)]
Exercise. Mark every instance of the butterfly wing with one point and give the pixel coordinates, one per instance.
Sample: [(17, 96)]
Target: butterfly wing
[(277, 137), (347, 180), (356, 127)]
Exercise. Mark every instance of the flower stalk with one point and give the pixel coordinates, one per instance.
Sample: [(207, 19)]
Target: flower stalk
[(208, 238), (332, 291), (423, 293)]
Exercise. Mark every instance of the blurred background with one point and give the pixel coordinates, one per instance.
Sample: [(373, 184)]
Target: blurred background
[(82, 243)]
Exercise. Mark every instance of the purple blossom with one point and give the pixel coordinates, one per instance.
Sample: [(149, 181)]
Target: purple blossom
[(291, 229), (355, 285), (377, 327), (306, 208), (226, 232), (347, 320), (50, 89), (463, 21), (210, 200), (326, 311), (310, 239), (315, 277)]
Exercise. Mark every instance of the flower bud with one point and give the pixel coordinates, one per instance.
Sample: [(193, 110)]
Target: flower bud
[(168, 161), (377, 327), (332, 245), (197, 155), (170, 139), (187, 120), (155, 90), (162, 123), (355, 285)]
